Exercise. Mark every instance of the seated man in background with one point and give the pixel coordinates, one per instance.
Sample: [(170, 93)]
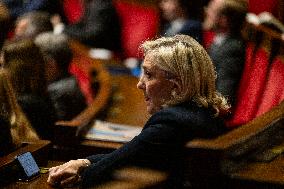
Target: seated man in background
[(63, 88), (99, 27), (31, 24), (226, 18), (182, 17)]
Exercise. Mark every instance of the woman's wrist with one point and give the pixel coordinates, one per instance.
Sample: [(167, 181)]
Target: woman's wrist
[(85, 162)]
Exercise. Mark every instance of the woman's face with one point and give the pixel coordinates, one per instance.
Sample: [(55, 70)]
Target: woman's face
[(156, 87)]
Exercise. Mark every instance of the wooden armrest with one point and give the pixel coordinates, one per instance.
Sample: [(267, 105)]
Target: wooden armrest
[(273, 119)]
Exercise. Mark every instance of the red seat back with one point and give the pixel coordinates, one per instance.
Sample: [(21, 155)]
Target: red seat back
[(251, 87), (73, 10), (139, 23), (274, 89)]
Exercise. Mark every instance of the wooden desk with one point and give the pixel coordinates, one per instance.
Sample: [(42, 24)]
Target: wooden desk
[(130, 178), (261, 174)]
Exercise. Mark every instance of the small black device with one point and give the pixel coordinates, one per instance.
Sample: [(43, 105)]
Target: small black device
[(28, 169)]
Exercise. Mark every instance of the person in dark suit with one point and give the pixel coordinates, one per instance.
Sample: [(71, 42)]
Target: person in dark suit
[(226, 18), (99, 27), (63, 88), (178, 82), (181, 17)]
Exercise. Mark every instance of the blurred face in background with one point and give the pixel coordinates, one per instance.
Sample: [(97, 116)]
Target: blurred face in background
[(212, 14), (171, 9)]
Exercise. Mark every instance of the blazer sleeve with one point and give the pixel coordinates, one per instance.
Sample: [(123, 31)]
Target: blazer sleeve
[(150, 145)]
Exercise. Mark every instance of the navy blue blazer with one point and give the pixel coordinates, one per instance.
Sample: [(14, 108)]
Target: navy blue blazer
[(160, 144)]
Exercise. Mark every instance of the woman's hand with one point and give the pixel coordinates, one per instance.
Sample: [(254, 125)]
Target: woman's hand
[(67, 174)]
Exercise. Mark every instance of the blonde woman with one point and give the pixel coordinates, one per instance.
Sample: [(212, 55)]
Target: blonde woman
[(15, 128), (178, 82)]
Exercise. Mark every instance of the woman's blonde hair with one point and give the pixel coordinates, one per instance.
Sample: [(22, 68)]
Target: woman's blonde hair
[(186, 61), (10, 111)]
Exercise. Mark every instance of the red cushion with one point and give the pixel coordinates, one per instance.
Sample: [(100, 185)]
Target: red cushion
[(274, 89), (82, 77), (138, 24), (251, 89), (73, 10), (208, 37), (258, 6)]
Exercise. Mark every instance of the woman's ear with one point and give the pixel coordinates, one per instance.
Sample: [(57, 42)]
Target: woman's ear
[(176, 86)]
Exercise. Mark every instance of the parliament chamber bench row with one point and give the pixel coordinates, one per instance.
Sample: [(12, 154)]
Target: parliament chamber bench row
[(249, 156)]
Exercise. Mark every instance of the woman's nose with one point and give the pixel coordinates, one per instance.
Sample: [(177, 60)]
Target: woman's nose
[(140, 84)]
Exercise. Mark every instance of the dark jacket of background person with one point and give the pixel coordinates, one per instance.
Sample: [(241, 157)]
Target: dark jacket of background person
[(39, 112), (19, 7), (6, 143), (228, 58), (25, 64), (66, 97), (99, 26), (160, 144)]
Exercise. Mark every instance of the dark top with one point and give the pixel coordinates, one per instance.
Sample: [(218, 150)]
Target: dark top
[(160, 144), (40, 113), (191, 27), (6, 142), (229, 59), (66, 97), (20, 7), (99, 26)]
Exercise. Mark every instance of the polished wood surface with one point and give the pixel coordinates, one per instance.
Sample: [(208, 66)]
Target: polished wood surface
[(39, 149), (234, 154), (131, 178)]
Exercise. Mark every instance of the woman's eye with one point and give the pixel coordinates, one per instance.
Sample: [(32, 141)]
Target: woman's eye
[(147, 74)]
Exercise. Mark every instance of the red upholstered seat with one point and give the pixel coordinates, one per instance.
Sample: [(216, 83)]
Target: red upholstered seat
[(251, 87), (82, 77), (258, 6), (73, 10), (208, 37), (139, 23), (274, 89)]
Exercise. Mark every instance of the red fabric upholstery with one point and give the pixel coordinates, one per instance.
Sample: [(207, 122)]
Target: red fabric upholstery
[(138, 24), (73, 10), (208, 37), (274, 89), (258, 6), (251, 88), (82, 77)]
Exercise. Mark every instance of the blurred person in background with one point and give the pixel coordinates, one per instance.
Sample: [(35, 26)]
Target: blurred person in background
[(63, 88), (31, 24), (15, 128), (99, 26), (226, 19), (18, 8), (181, 17), (26, 67)]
